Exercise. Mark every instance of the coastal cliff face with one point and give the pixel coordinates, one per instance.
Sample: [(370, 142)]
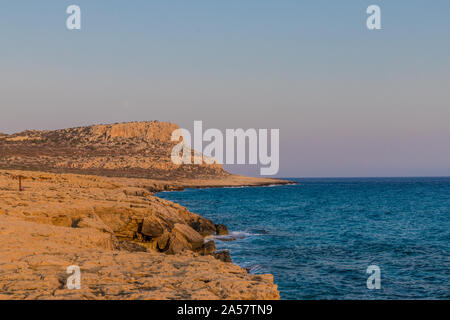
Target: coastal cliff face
[(128, 243), (134, 149)]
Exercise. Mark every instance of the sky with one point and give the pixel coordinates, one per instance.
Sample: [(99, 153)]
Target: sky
[(349, 102)]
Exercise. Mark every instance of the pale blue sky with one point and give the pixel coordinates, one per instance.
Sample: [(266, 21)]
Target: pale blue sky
[(348, 101)]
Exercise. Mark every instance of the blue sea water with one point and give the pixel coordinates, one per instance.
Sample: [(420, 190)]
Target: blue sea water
[(318, 237)]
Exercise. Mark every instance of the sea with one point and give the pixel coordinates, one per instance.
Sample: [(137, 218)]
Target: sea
[(320, 238)]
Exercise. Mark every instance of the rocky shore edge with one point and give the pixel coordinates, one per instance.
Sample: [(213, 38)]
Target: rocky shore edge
[(129, 243)]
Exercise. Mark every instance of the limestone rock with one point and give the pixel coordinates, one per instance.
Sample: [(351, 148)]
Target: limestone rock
[(192, 236), (223, 255), (85, 220), (177, 243), (152, 227), (34, 258), (131, 246), (91, 221), (221, 230), (134, 149), (208, 248), (162, 243), (203, 226), (138, 192)]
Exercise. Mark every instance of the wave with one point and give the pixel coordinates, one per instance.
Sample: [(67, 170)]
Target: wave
[(235, 235)]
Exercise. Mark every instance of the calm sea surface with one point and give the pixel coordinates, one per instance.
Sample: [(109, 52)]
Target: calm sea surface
[(318, 237)]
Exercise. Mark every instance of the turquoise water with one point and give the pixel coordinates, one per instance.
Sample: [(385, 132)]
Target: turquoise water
[(318, 237)]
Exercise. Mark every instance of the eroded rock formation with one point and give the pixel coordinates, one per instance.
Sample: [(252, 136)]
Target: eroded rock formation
[(86, 199), (134, 149), (128, 243)]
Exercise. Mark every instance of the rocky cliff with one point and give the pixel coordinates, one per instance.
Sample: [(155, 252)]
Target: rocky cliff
[(84, 196), (134, 149), (128, 243)]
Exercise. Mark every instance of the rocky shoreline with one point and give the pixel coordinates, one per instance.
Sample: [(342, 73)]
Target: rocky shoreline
[(85, 196), (128, 243)]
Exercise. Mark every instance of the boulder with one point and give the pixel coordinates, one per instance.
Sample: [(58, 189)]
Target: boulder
[(223, 255), (177, 243), (162, 243), (221, 230), (151, 227), (192, 236), (168, 218), (203, 226), (208, 248)]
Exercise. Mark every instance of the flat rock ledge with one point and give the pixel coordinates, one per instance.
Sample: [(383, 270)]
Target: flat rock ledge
[(127, 243)]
